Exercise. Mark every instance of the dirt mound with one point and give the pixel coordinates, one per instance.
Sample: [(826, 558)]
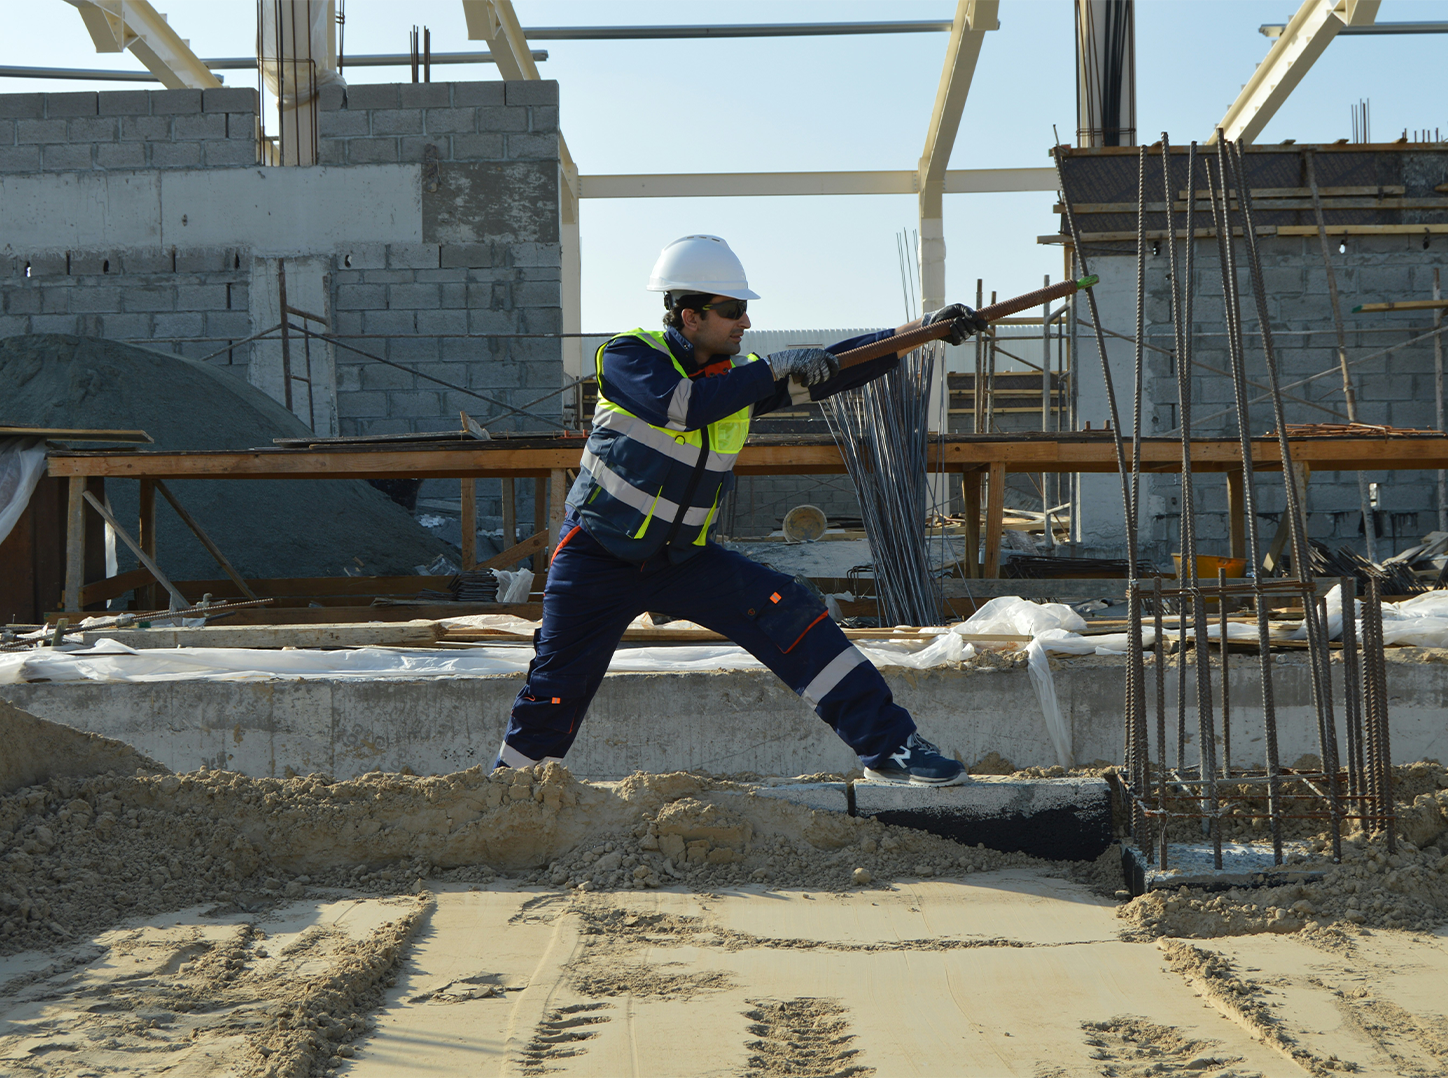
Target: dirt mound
[(267, 528), (37, 750)]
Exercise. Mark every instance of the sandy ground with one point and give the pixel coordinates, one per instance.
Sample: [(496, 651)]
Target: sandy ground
[(527, 923)]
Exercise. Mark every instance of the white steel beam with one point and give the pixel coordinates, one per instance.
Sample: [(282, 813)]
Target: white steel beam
[(726, 184), (1304, 39), (118, 25), (973, 18)]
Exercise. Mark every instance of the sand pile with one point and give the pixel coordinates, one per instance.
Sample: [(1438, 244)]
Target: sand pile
[(266, 528), (85, 853)]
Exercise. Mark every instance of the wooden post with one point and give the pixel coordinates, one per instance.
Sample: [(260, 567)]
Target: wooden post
[(211, 548), (970, 494), (557, 495), (540, 522), (510, 512), (470, 522), (995, 511), (146, 537), (1236, 515), (74, 542)]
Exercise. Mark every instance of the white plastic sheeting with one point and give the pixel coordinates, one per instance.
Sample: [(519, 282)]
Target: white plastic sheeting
[(22, 463)]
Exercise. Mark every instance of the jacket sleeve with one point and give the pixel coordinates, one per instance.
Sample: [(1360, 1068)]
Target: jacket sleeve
[(642, 380), (790, 392)]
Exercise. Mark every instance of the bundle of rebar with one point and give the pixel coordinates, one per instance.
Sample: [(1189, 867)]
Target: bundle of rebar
[(1393, 579), (883, 431)]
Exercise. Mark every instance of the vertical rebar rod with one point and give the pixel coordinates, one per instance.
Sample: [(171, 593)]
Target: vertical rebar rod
[(1373, 774), (1226, 675), (286, 337), (1438, 400), (1136, 676), (1351, 690), (1159, 646), (1046, 477), (978, 409), (1328, 729), (1387, 810)]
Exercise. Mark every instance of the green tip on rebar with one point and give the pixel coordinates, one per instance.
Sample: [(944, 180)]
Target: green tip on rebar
[(1357, 309), (1088, 281)]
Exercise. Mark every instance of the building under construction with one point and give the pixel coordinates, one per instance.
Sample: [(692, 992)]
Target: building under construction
[(293, 386)]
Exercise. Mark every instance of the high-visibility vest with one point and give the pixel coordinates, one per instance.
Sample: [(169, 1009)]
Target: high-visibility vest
[(640, 485)]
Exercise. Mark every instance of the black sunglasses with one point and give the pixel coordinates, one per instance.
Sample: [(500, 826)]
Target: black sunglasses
[(730, 308)]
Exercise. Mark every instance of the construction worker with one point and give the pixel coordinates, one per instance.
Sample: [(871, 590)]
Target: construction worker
[(673, 413)]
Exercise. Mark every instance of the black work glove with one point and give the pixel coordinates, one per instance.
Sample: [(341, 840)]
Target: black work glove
[(810, 366), (963, 322)]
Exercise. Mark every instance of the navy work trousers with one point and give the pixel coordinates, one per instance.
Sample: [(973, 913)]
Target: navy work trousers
[(591, 596)]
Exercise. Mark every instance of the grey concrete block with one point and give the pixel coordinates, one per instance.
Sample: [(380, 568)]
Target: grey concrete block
[(176, 155), (363, 256), (397, 122), (387, 276), (19, 158), (354, 404), (385, 426), (447, 121), (175, 102), (531, 92), (381, 376), (179, 324), (443, 321), (483, 320), (7, 132), (201, 126), (451, 275), (146, 128), (414, 296), (229, 153), (331, 152), (502, 119), (235, 324), (463, 350), (399, 323), (453, 295), (206, 297), (348, 376), (93, 129), (331, 98), (416, 352), (94, 300), (413, 148), (27, 131), (478, 93), (125, 327), (53, 323), (1058, 819), (537, 294), (48, 264), (343, 123), (22, 300), (121, 155), (205, 259), (229, 99), (74, 104), (149, 298), (372, 151), (15, 325), (412, 256), (543, 118), (541, 320), (487, 147), (361, 297), (826, 796), (92, 264), (373, 96), (425, 95), (22, 106), (123, 103), (467, 255), (414, 403), (67, 157), (532, 147)]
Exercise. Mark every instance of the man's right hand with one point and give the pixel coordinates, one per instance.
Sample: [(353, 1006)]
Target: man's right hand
[(810, 366)]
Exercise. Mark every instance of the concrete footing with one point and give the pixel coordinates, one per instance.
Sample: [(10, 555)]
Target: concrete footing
[(1191, 865)]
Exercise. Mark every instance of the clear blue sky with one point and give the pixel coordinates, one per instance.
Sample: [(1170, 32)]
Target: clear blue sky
[(830, 103)]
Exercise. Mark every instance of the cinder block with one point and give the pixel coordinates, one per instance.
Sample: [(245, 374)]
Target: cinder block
[(91, 300), (462, 350), (93, 264), (201, 126), (414, 403), (53, 323), (361, 297), (361, 404), (443, 321), (206, 297), (482, 319), (179, 324), (349, 377), (67, 157), (47, 264), (447, 121), (387, 276), (416, 352), (174, 102), (537, 294), (229, 153), (374, 96), (331, 98), (414, 147), (381, 376), (176, 155), (412, 256), (466, 255), (235, 324), (477, 93), (93, 129), (22, 106), (15, 325), (19, 158), (146, 128), (205, 259), (452, 275), (121, 155), (542, 320), (343, 123), (532, 147), (543, 118), (331, 152), (385, 426), (424, 95), (1058, 819), (454, 295), (362, 256), (532, 349), (486, 147), (123, 103), (372, 151), (74, 104), (531, 92), (392, 323), (21, 298), (28, 131), (229, 99), (149, 298), (397, 122), (414, 296), (502, 119)]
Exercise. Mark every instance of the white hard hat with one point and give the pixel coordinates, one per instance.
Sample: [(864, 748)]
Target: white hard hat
[(700, 264)]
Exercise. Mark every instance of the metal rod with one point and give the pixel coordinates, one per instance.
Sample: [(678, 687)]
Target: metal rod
[(1226, 679), (1158, 645), (1351, 686)]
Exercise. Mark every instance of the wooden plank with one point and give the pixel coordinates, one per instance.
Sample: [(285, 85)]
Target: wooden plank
[(557, 497), (540, 518), (1236, 515), (74, 542), (1065, 589), (1306, 192), (1276, 205), (148, 596), (211, 548), (292, 615), (334, 635), (510, 510), (970, 488), (994, 511), (517, 552), (469, 522), (1403, 305), (136, 549), (1364, 230), (76, 434), (113, 587)]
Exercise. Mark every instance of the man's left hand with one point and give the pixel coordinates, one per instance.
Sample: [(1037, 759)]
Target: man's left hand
[(963, 322)]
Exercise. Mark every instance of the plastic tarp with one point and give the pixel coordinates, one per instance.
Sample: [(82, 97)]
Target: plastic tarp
[(22, 463)]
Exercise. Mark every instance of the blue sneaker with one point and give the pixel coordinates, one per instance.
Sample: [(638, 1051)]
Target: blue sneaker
[(918, 763)]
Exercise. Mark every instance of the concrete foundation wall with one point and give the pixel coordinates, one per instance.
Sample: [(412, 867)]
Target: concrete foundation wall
[(729, 722)]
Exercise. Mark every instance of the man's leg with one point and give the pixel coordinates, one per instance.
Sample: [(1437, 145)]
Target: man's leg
[(783, 625), (588, 601)]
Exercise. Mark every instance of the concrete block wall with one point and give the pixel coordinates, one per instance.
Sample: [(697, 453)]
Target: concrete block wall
[(175, 297), (128, 129), (1396, 389)]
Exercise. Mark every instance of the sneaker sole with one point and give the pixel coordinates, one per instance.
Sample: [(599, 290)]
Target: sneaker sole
[(915, 780)]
